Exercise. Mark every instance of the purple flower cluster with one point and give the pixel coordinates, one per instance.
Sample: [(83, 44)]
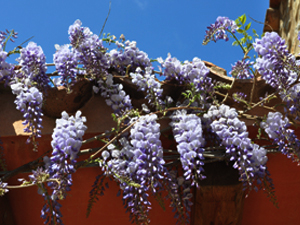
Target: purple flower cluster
[(135, 158), (147, 162), (114, 95), (183, 72), (27, 84), (12, 35), (187, 129), (128, 54), (277, 129), (66, 143), (172, 68), (275, 64), (6, 69), (66, 61), (141, 163), (78, 34), (148, 151), (90, 48), (55, 216), (39, 175), (29, 103), (241, 70), (179, 193), (292, 99), (148, 83), (250, 159), (194, 72), (239, 97), (67, 135), (33, 62), (219, 30), (279, 69)]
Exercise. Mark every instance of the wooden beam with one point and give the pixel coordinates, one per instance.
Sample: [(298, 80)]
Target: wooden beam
[(272, 20), (275, 4)]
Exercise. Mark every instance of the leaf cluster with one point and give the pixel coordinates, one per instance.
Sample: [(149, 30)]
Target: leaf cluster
[(243, 28)]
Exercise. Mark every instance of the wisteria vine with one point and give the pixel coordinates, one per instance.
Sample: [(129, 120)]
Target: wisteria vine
[(133, 154)]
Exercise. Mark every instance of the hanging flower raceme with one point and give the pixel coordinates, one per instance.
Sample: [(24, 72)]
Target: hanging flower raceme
[(219, 30), (6, 69), (148, 152), (146, 164), (276, 126), (128, 55), (188, 134), (29, 103), (250, 159), (276, 65), (114, 95), (66, 61), (189, 73), (33, 66), (292, 99), (90, 48), (279, 69), (179, 193), (241, 70), (67, 135), (28, 84), (8, 35), (139, 166), (172, 68), (66, 143), (147, 82), (78, 34)]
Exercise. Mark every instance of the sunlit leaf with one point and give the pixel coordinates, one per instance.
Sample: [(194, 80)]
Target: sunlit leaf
[(240, 31), (248, 26), (242, 18)]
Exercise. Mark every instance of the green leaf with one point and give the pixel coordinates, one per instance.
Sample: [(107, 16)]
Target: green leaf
[(248, 26), (242, 18), (238, 22), (114, 117), (255, 33), (243, 40), (235, 43), (240, 31)]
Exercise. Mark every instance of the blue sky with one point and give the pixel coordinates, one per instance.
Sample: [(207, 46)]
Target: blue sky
[(158, 26)]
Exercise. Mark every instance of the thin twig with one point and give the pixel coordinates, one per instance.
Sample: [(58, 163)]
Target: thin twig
[(30, 184), (112, 140), (105, 19), (261, 22), (263, 100), (88, 150), (95, 138)]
